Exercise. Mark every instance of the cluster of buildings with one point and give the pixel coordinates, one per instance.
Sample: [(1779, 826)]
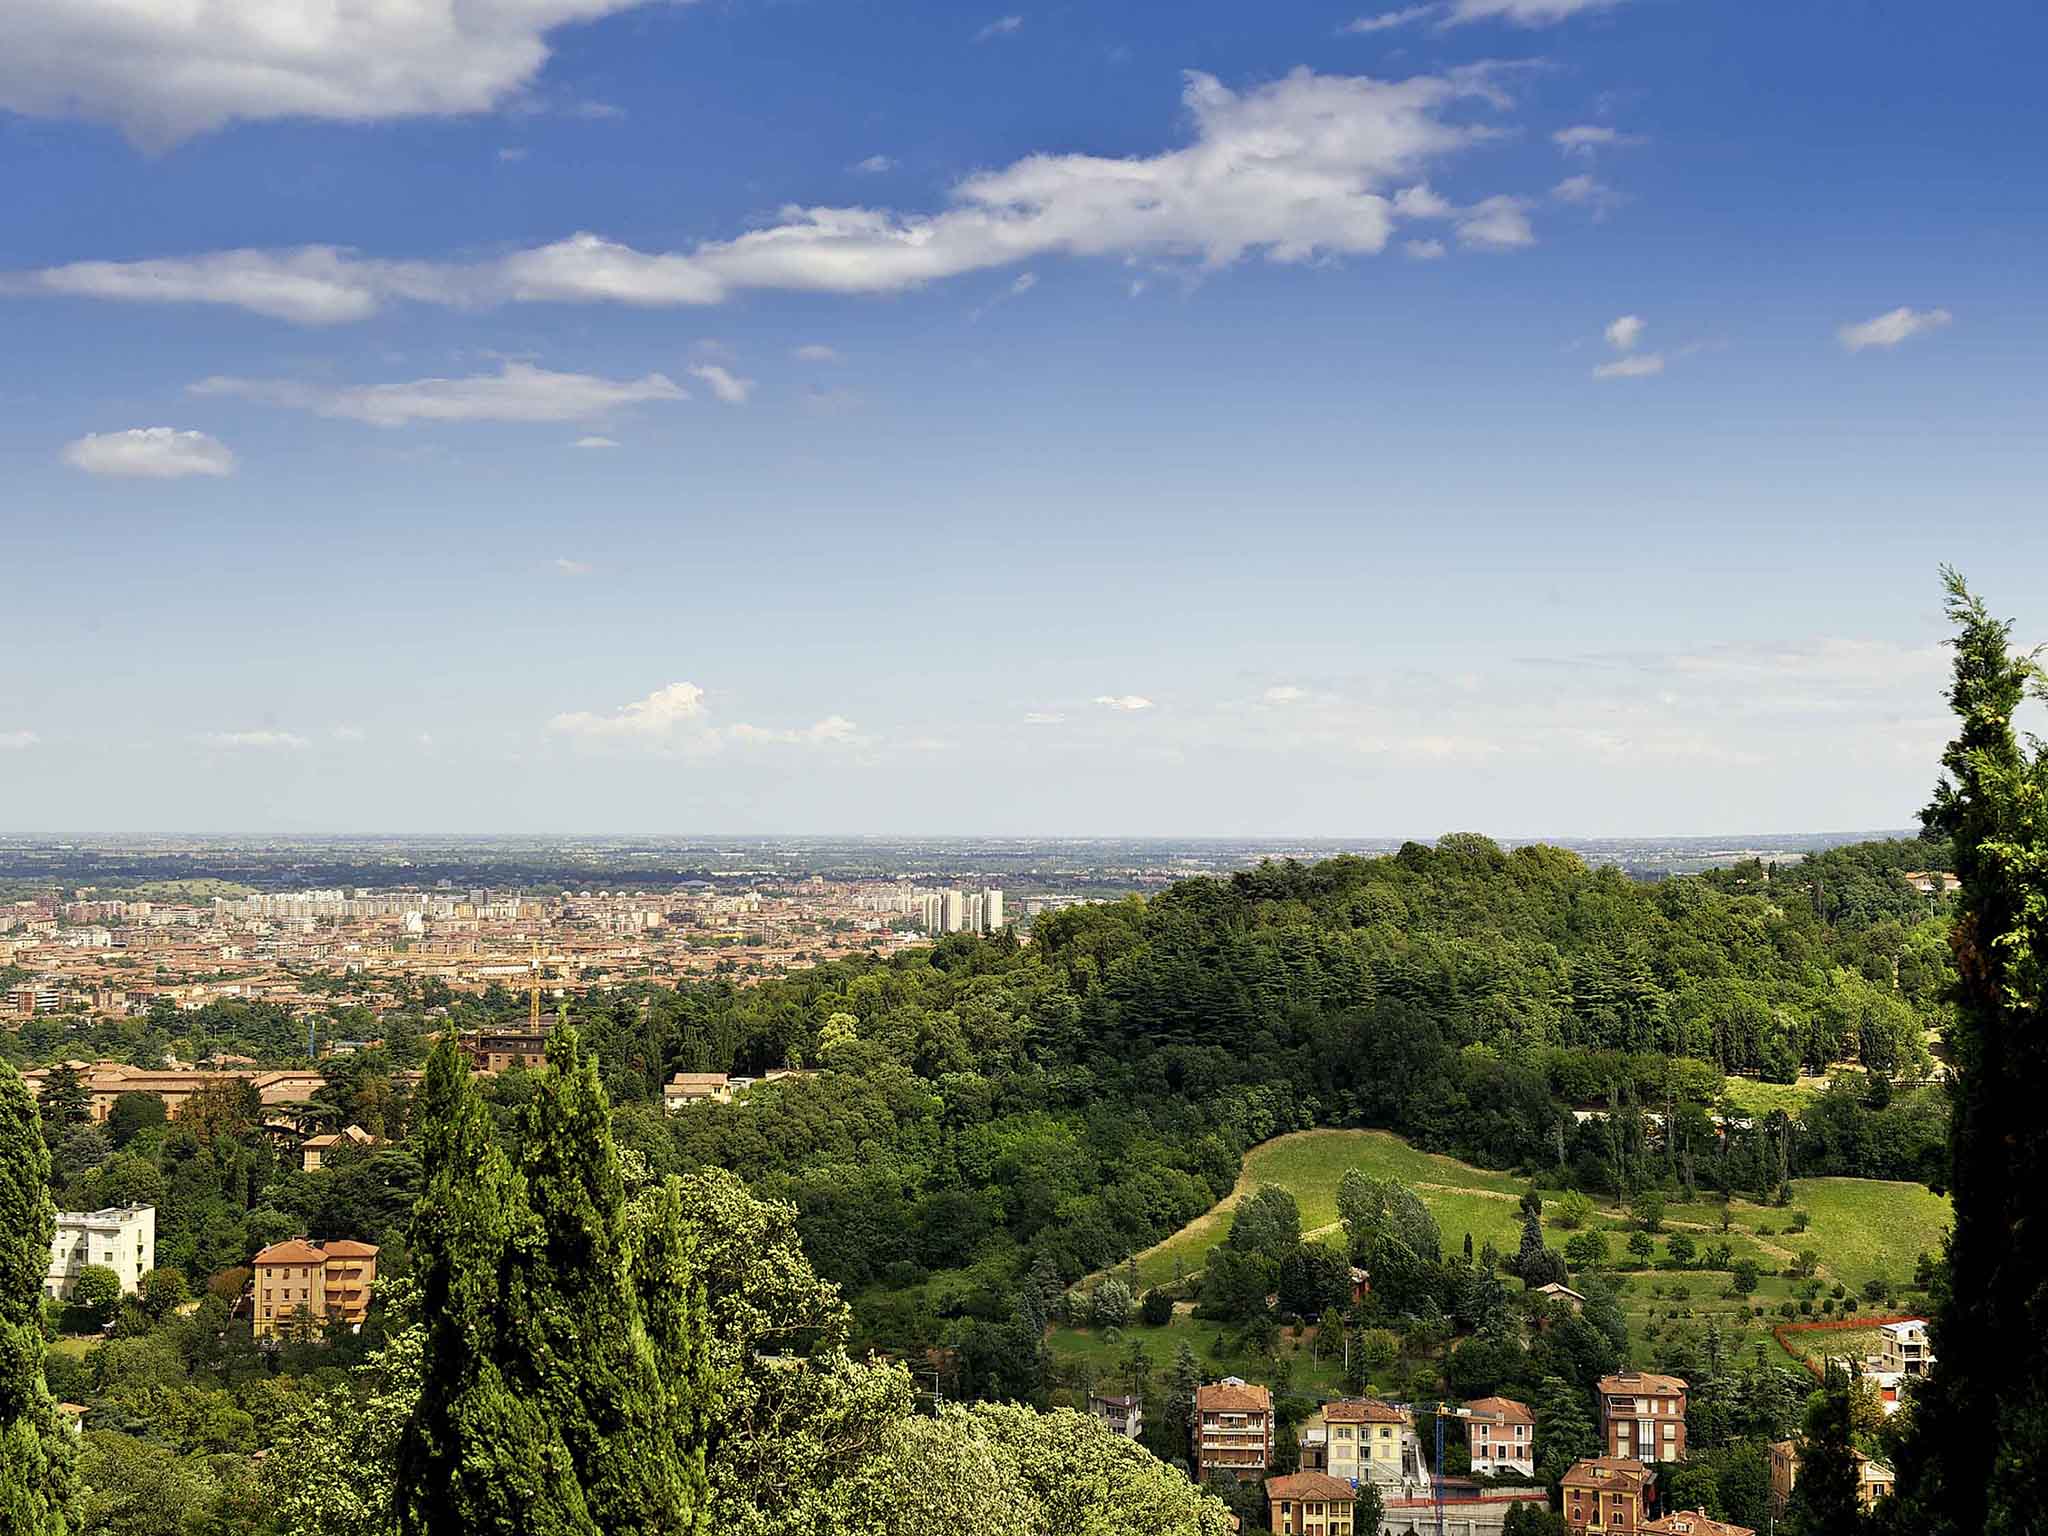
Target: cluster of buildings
[(126, 957), (1352, 1442), (297, 1288)]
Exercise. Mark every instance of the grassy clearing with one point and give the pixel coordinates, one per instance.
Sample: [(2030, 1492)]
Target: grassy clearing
[(1861, 1228), (1757, 1098)]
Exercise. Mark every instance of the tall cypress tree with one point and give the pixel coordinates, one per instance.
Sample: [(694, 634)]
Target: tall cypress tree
[(479, 1453), (1976, 1458), (566, 1363), (35, 1454)]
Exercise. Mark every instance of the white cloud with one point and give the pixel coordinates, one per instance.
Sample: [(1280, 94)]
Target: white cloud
[(166, 71), (1002, 26), (1893, 327), (659, 714), (728, 386), (348, 733), (833, 730), (1124, 701), (18, 741), (874, 165), (1044, 717), (1525, 13), (570, 567), (150, 453), (1299, 169), (595, 441), (518, 392), (676, 718), (816, 352), (1285, 693), (1426, 250), (1495, 223), (1386, 20), (1640, 366), (1026, 281), (261, 741), (1584, 139), (1624, 333), (1586, 192)]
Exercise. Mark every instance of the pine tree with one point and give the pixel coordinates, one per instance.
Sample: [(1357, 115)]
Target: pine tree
[(1564, 1430), (35, 1454), (64, 1103), (1976, 1457)]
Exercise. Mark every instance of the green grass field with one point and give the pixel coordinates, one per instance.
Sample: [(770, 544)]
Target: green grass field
[(1861, 1228), (1755, 1098)]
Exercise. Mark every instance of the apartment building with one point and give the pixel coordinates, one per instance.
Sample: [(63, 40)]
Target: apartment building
[(121, 1238), (1123, 1415), (315, 1150), (1873, 1478), (1465, 1510), (1233, 1429), (299, 1284), (1361, 1439), (1902, 1347), (1503, 1436), (1607, 1496), (494, 1053), (1642, 1415), (1310, 1504)]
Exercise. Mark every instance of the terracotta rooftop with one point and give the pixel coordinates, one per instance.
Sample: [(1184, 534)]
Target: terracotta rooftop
[(1503, 1409), (1233, 1396), (1599, 1472), (294, 1250), (1693, 1523), (1640, 1384), (1309, 1485), (1362, 1410)]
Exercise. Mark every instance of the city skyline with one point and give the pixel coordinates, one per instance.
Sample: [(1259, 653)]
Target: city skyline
[(1514, 413)]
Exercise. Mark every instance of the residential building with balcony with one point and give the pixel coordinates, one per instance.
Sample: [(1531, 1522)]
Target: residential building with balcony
[(1642, 1415), (1362, 1439), (1123, 1415), (1310, 1504), (305, 1286), (1502, 1433), (121, 1238), (1607, 1496), (1233, 1429), (1903, 1347)]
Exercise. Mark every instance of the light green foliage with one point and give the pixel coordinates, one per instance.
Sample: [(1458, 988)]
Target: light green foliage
[(35, 1455)]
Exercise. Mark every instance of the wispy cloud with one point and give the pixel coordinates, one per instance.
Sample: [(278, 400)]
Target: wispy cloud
[(519, 392), (817, 352), (18, 741), (595, 441), (1642, 365), (1622, 334), (874, 165), (1587, 192), (725, 384), (258, 741), (1892, 327), (1586, 139), (150, 453), (1002, 26), (1426, 250), (1523, 13), (1300, 169), (1387, 20), (677, 719), (1044, 717), (570, 567), (1123, 701)]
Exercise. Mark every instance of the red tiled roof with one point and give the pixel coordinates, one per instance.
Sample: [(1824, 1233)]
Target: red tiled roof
[(294, 1250), (1641, 1383), (1233, 1396), (348, 1248), (1362, 1410), (1598, 1472), (1504, 1409), (1693, 1523), (1309, 1485)]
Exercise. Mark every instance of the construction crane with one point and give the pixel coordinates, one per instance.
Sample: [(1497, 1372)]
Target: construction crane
[(533, 1002), (1436, 1472)]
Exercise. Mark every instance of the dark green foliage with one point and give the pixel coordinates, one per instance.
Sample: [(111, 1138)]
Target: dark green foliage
[(1266, 1222), (565, 1366), (1824, 1502), (35, 1455), (1976, 1459)]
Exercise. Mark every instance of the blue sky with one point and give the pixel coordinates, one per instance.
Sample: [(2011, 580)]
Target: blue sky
[(1542, 416)]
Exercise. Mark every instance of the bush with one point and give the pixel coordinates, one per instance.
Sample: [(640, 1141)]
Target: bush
[(1572, 1212), (1799, 1221), (96, 1292), (1787, 1309), (1156, 1310), (1110, 1305), (1743, 1277), (1681, 1248)]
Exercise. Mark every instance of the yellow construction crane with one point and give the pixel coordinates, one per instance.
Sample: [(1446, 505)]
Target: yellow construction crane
[(533, 1004)]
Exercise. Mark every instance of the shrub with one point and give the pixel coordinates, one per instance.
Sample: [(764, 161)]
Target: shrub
[(1156, 1310), (1799, 1221)]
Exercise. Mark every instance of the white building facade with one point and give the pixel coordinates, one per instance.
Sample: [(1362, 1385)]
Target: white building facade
[(121, 1238)]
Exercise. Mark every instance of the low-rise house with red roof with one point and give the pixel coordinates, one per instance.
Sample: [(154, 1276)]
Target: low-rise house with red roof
[(1608, 1496), (1502, 1433), (1311, 1504)]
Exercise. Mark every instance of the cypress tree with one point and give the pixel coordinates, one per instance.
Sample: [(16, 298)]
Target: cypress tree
[(35, 1454), (479, 1453), (566, 1370), (1824, 1502), (1975, 1459)]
